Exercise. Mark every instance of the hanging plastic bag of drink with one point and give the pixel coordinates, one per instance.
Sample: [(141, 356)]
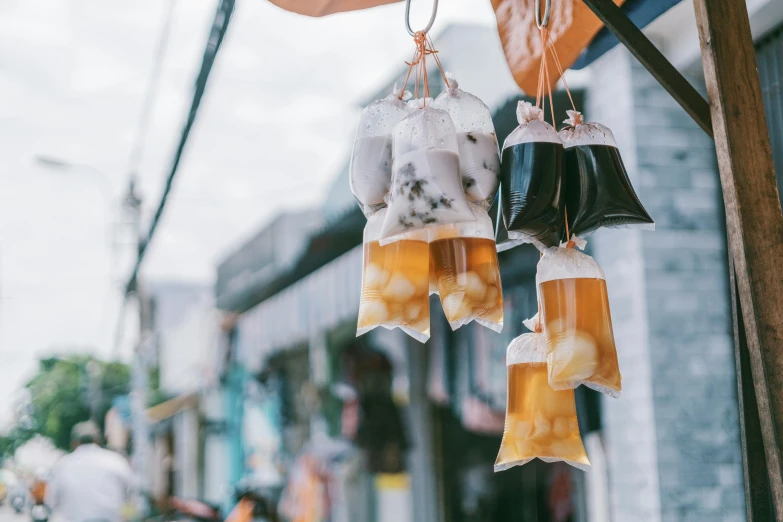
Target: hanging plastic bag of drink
[(530, 178), (466, 273), (598, 192), (576, 321), (479, 161), (541, 422), (426, 187), (371, 162), (395, 282)]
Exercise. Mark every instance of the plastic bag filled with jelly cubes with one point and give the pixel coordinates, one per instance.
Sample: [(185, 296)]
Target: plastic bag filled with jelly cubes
[(426, 187), (530, 177), (465, 271), (395, 282), (576, 322), (371, 161), (597, 190), (479, 160), (540, 422)]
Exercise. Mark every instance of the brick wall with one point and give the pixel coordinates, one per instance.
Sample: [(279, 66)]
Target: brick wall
[(673, 437)]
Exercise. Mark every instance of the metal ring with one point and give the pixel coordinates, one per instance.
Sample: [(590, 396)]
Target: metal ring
[(547, 12), (432, 17)]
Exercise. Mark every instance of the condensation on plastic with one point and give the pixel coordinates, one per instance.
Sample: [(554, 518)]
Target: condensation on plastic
[(598, 192), (540, 422), (479, 159), (465, 272), (577, 323), (532, 127), (395, 282), (531, 176), (578, 133), (426, 188), (371, 161)]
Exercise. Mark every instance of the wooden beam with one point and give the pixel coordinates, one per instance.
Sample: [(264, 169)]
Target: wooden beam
[(758, 504), (754, 220), (656, 63)]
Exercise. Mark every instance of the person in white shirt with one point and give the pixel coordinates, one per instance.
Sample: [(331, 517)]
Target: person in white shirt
[(90, 484)]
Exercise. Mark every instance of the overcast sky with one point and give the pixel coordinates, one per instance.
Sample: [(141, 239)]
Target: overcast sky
[(276, 121)]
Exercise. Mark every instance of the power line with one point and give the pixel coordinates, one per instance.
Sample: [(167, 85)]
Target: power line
[(218, 32), (137, 151)]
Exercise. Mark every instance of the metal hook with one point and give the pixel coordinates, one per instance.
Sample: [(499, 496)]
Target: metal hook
[(432, 17), (547, 12)]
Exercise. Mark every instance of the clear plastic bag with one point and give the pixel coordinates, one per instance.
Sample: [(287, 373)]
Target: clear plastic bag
[(541, 422), (577, 323), (479, 160), (598, 192), (426, 187), (371, 161), (395, 282), (530, 178), (466, 273)]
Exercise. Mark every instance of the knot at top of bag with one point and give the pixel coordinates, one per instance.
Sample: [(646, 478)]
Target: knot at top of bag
[(578, 133), (533, 324), (574, 118), (419, 103), (566, 263), (527, 112), (532, 127), (528, 348), (452, 81), (398, 93)]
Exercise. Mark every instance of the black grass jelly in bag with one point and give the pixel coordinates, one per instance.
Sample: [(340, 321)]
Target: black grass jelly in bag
[(597, 190), (530, 179)]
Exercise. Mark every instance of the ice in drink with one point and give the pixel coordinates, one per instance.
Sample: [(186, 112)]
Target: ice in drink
[(541, 422), (578, 329), (395, 288), (465, 270)]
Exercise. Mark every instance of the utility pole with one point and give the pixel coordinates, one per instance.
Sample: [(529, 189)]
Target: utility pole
[(140, 364)]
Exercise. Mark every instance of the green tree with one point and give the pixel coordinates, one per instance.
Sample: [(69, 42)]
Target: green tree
[(64, 391)]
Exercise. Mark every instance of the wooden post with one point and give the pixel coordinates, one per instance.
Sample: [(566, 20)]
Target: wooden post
[(754, 220)]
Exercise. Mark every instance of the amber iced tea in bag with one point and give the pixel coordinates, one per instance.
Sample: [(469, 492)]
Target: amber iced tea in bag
[(395, 283), (577, 323), (598, 192), (540, 421), (466, 273)]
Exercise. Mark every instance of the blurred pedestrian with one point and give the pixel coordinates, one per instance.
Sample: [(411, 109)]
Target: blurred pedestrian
[(90, 484)]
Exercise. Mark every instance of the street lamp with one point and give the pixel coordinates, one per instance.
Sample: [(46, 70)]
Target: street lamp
[(103, 184)]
